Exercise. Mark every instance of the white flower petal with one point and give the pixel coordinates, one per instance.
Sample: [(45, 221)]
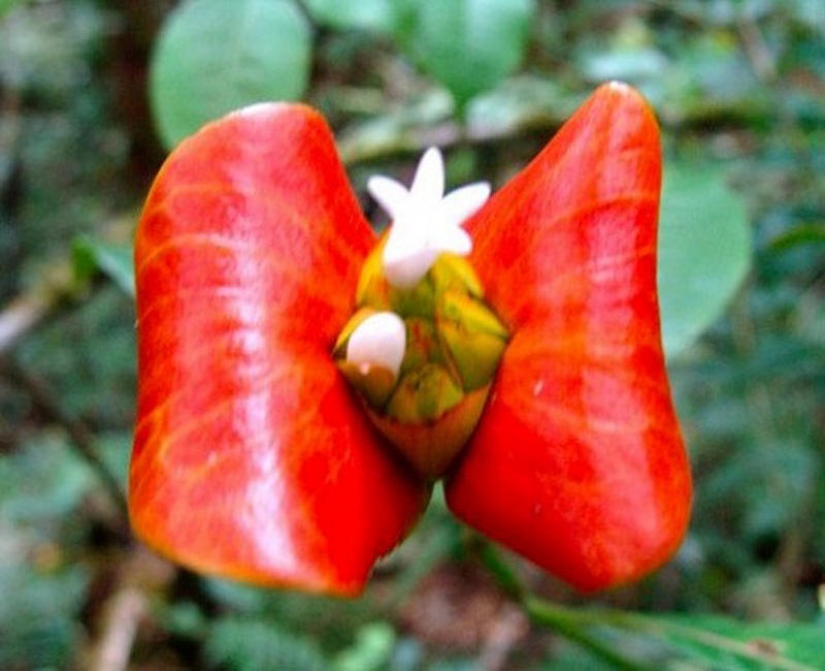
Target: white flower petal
[(380, 340), (425, 222), (389, 194), (407, 258), (405, 272), (428, 183), (461, 204), (452, 239)]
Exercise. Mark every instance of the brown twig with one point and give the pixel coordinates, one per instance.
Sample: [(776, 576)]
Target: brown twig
[(123, 613), (356, 145), (757, 50), (20, 316), (141, 575), (23, 313)]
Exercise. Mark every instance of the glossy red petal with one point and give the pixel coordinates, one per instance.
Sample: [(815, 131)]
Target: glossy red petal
[(252, 458), (578, 462)]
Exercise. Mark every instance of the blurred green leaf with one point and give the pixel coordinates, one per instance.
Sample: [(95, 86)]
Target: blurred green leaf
[(321, 614), (365, 14), (114, 450), (371, 650), (242, 644), (87, 357), (42, 487), (467, 45), (571, 657), (38, 615), (41, 484), (6, 5), (236, 596), (803, 234), (115, 261), (214, 56), (704, 250), (631, 65), (519, 102), (767, 486)]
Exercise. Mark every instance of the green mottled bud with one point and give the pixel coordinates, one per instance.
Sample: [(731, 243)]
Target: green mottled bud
[(453, 343), (423, 345), (473, 335), (423, 395), (454, 272), (375, 384)]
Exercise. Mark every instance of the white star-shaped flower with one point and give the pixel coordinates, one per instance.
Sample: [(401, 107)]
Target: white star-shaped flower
[(425, 222)]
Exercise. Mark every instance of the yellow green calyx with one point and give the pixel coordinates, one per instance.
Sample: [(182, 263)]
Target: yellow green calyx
[(452, 344)]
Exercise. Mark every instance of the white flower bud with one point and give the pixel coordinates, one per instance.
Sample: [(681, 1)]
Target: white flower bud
[(380, 340)]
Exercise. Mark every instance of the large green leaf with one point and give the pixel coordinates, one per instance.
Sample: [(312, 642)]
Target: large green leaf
[(467, 45), (694, 642), (213, 56), (714, 642), (704, 250)]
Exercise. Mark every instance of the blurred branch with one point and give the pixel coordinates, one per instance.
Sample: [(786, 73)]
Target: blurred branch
[(758, 52), (141, 575), (357, 145), (23, 313), (123, 614), (71, 278)]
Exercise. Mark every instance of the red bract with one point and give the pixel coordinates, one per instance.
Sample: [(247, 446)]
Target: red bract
[(577, 462), (254, 460)]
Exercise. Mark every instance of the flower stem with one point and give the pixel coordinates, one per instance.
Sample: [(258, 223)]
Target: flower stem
[(573, 624), (581, 625)]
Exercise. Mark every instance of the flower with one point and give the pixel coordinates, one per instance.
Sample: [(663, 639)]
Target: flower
[(425, 223), (254, 457), (445, 341)]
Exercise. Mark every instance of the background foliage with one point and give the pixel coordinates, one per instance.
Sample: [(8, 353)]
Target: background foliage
[(92, 95)]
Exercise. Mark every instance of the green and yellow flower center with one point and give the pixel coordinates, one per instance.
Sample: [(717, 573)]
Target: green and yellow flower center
[(423, 347)]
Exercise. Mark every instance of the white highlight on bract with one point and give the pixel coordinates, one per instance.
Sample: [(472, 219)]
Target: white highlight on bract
[(425, 222), (379, 340)]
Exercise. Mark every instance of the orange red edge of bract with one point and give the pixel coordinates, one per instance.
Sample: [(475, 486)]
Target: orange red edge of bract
[(254, 460)]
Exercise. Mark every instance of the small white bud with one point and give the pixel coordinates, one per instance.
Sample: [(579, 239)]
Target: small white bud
[(380, 340)]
